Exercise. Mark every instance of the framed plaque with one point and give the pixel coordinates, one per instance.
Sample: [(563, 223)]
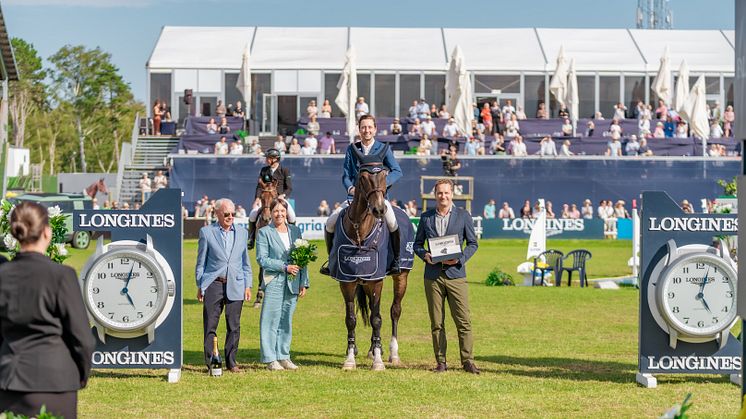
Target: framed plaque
[(444, 248)]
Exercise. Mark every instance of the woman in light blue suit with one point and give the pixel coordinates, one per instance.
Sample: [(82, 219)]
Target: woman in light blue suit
[(281, 291)]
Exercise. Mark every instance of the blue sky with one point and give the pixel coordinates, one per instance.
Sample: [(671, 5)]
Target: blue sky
[(128, 29)]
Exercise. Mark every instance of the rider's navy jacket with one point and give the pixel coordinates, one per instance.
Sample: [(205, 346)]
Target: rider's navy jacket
[(349, 174)]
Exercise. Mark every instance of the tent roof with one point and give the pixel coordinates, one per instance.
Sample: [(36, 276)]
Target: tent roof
[(428, 49)]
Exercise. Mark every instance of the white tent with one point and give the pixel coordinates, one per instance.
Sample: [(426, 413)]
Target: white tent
[(682, 87), (696, 112), (347, 96), (662, 85), (244, 80), (558, 84), (459, 92), (571, 98)]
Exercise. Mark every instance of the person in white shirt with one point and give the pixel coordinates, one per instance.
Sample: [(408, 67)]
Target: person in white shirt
[(279, 144), (451, 130), (520, 114), (565, 149), (361, 108), (428, 127), (643, 125), (512, 127), (416, 128), (566, 128), (519, 147), (236, 148), (240, 212), (413, 109), (508, 110), (160, 180), (313, 142), (716, 131), (145, 187), (307, 149), (221, 147), (587, 210), (633, 147), (547, 147), (620, 111), (506, 211)]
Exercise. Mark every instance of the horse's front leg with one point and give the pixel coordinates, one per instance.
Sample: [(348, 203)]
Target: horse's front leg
[(400, 288), (348, 292), (373, 290)]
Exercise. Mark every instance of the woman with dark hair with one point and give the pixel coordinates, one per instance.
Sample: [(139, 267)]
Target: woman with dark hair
[(45, 338), (157, 114), (281, 291)]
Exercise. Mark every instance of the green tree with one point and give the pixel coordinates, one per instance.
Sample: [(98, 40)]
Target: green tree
[(29, 93)]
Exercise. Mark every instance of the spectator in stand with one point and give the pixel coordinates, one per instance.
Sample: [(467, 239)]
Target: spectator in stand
[(238, 110), (220, 110), (644, 149), (313, 126), (565, 149), (498, 144), (413, 110), (598, 116), (615, 128), (395, 128), (433, 111), (633, 147), (361, 108), (212, 127), (327, 145), (489, 211), (312, 111), (687, 207), (620, 211), (221, 147), (659, 132), (574, 213), (620, 111), (145, 187), (279, 144), (715, 114), (565, 211), (520, 114), (614, 147), (428, 127), (512, 127), (477, 128), (563, 113), (536, 210), (224, 128), (451, 130), (506, 212), (326, 109), (157, 115), (236, 148), (649, 111), (549, 211), (443, 112), (716, 131), (669, 127), (425, 147), (294, 147), (323, 209), (313, 142), (661, 112), (590, 128), (729, 117), (682, 130), (643, 126), (415, 129), (547, 147), (519, 148), (307, 149), (587, 210), (470, 147), (541, 111), (639, 111), (508, 110), (411, 208), (526, 210), (423, 109), (497, 116), (94, 204), (486, 116), (566, 128), (160, 181)]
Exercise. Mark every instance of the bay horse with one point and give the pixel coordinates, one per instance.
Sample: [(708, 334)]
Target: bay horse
[(362, 225), (268, 192), (94, 188)]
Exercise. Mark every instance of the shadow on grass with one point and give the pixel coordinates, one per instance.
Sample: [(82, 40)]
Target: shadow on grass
[(111, 373), (250, 358), (580, 369)]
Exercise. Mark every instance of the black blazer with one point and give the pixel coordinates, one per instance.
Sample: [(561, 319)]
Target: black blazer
[(281, 177), (460, 223), (45, 337)]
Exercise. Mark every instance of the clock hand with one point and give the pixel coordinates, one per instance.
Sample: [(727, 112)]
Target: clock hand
[(129, 276), (701, 295), (707, 307), (127, 294)]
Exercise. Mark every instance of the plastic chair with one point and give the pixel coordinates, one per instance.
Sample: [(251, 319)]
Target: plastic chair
[(579, 257), (553, 259)]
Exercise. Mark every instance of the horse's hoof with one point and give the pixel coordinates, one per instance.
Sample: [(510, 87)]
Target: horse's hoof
[(257, 304), (395, 361), (378, 366), (348, 366)]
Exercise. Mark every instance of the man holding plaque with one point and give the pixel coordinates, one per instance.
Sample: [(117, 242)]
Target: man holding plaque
[(445, 229)]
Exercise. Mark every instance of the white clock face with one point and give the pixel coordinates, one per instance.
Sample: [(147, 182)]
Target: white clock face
[(698, 295), (125, 290)]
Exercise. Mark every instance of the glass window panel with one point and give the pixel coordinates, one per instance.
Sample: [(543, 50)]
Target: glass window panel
[(587, 96), (232, 94), (608, 95), (634, 91), (363, 87), (533, 95), (331, 91), (409, 90), (385, 95), (506, 84), (435, 89), (728, 83), (260, 84), (160, 88), (712, 85)]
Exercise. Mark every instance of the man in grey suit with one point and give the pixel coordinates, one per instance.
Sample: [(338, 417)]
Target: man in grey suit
[(223, 275), (446, 280)]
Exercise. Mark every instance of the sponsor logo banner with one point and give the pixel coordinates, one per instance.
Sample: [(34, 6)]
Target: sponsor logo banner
[(563, 228)]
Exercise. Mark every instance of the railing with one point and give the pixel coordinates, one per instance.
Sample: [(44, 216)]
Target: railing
[(126, 155)]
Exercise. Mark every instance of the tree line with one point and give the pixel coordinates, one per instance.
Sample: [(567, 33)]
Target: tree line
[(74, 113)]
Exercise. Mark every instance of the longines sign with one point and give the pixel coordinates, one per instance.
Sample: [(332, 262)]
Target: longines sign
[(693, 224), (694, 363), (565, 228), (98, 220)]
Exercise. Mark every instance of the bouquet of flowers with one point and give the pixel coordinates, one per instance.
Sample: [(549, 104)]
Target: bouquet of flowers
[(302, 254), (56, 250)]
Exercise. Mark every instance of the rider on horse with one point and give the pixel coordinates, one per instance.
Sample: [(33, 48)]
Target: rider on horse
[(365, 151), (273, 172)]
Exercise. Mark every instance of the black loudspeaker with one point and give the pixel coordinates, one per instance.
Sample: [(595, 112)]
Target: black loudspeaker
[(206, 109), (187, 96)]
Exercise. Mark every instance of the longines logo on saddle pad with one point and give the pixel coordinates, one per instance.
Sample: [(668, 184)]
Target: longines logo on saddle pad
[(357, 259)]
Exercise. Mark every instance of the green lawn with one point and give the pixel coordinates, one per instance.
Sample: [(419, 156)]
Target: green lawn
[(544, 352)]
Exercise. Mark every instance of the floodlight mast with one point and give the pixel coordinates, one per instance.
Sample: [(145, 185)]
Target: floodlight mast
[(654, 14)]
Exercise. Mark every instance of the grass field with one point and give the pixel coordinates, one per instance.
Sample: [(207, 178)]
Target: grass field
[(543, 351)]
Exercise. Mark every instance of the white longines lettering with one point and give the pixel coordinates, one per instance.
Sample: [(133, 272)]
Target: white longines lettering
[(133, 358), (694, 363), (554, 226), (357, 259), (693, 224), (126, 220)]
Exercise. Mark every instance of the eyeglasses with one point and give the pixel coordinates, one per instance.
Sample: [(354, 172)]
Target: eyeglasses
[(229, 214)]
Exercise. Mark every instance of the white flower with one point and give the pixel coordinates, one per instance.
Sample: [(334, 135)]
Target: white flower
[(11, 212), (10, 242), (672, 412), (301, 243), (61, 249), (54, 211)]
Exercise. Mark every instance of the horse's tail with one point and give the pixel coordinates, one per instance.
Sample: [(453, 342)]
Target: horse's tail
[(362, 304)]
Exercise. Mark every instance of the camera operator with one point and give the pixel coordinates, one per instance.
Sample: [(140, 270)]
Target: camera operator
[(451, 163)]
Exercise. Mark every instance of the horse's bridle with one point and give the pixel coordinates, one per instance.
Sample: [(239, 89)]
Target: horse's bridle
[(372, 168)]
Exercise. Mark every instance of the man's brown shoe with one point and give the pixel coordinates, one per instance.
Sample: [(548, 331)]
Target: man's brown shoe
[(441, 367), (471, 368)]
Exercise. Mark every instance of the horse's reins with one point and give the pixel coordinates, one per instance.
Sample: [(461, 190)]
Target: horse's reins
[(370, 168)]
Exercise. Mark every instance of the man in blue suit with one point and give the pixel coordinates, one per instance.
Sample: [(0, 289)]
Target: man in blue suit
[(223, 275), (367, 146)]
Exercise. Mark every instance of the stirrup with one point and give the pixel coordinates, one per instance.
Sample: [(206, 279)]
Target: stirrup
[(324, 270)]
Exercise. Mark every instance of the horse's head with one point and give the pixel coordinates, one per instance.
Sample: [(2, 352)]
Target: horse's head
[(267, 194), (370, 187)]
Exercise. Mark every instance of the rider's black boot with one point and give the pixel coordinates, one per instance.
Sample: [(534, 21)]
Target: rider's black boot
[(329, 240), (395, 248), (252, 234)]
